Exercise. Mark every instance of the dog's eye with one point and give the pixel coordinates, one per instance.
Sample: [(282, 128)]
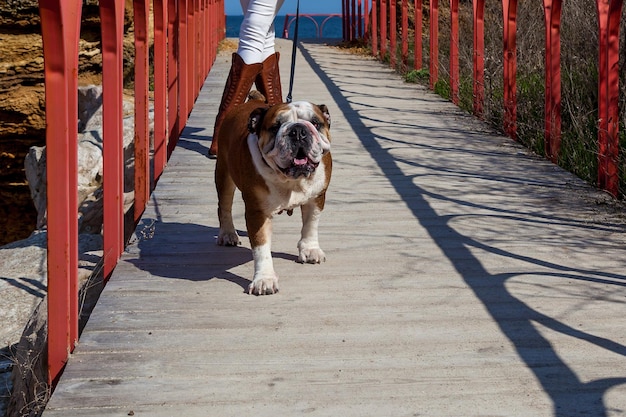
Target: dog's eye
[(274, 128), (316, 123)]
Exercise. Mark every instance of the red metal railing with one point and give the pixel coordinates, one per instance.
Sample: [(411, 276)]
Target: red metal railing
[(186, 34), (609, 12), (319, 27), (356, 19)]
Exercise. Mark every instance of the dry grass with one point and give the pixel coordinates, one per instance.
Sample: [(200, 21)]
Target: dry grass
[(579, 73)]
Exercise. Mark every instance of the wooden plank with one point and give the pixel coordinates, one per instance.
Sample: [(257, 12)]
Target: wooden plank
[(463, 277)]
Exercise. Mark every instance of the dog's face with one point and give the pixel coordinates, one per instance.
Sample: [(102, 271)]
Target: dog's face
[(293, 137)]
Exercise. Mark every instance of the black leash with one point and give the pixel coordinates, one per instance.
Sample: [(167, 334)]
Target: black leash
[(293, 52)]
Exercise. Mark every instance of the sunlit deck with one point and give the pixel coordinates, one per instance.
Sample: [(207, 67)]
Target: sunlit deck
[(464, 277)]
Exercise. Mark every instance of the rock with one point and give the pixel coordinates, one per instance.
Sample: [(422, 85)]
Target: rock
[(24, 14), (23, 278), (19, 14), (89, 102), (35, 169), (22, 112), (22, 106), (28, 377), (23, 285), (90, 162)]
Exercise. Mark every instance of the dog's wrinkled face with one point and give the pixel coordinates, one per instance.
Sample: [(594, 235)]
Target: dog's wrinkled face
[(293, 137)]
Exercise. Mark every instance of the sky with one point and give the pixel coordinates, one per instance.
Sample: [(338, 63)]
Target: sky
[(233, 7)]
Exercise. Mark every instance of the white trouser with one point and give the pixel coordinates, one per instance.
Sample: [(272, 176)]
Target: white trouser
[(256, 35)]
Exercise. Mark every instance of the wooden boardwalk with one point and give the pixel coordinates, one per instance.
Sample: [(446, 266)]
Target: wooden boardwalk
[(465, 277)]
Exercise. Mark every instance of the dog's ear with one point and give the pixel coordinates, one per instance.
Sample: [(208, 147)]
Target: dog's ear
[(326, 113), (256, 118)]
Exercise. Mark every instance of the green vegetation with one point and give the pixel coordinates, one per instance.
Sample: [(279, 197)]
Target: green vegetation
[(417, 76), (579, 77)]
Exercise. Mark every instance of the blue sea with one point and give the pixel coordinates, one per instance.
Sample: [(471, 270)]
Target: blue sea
[(329, 27)]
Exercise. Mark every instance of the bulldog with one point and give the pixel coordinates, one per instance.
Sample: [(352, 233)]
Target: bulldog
[(279, 158)]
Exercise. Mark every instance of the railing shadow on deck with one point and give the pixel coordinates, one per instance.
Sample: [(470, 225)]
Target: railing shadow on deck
[(169, 264), (166, 260), (569, 394)]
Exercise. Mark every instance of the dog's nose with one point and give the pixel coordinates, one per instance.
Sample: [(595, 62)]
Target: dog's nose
[(299, 132)]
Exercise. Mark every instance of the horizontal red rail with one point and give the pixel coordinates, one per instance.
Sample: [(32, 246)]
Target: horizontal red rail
[(319, 27), (608, 15), (186, 34)]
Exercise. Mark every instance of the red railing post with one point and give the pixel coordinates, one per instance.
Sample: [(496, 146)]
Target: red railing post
[(212, 28), (509, 10), (454, 50), (359, 18), (434, 43), (478, 64), (345, 12), (201, 38), (192, 57), (286, 27), (112, 24), (366, 19), (375, 28), (552, 130), (197, 46), (393, 30), (344, 24), (609, 13), (404, 54), (160, 86), (417, 36), (383, 28), (353, 28), (206, 39), (222, 23), (183, 62), (172, 75), (142, 139), (60, 27)]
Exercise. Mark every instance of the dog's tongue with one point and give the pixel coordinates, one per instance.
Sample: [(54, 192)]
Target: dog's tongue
[(299, 161)]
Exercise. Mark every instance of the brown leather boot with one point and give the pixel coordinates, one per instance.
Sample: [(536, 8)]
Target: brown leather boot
[(268, 80), (240, 79)]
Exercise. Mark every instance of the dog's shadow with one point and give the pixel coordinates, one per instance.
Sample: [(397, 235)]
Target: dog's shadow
[(189, 251)]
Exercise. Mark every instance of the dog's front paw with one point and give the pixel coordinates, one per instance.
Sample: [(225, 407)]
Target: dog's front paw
[(310, 255), (264, 285), (228, 239)]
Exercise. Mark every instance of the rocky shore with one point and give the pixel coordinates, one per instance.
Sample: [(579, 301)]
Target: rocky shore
[(22, 101)]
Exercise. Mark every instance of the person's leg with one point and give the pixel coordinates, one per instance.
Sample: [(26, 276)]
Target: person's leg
[(257, 44), (238, 83), (268, 80), (257, 33), (247, 62)]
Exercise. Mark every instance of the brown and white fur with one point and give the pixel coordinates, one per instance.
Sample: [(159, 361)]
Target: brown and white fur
[(279, 158)]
